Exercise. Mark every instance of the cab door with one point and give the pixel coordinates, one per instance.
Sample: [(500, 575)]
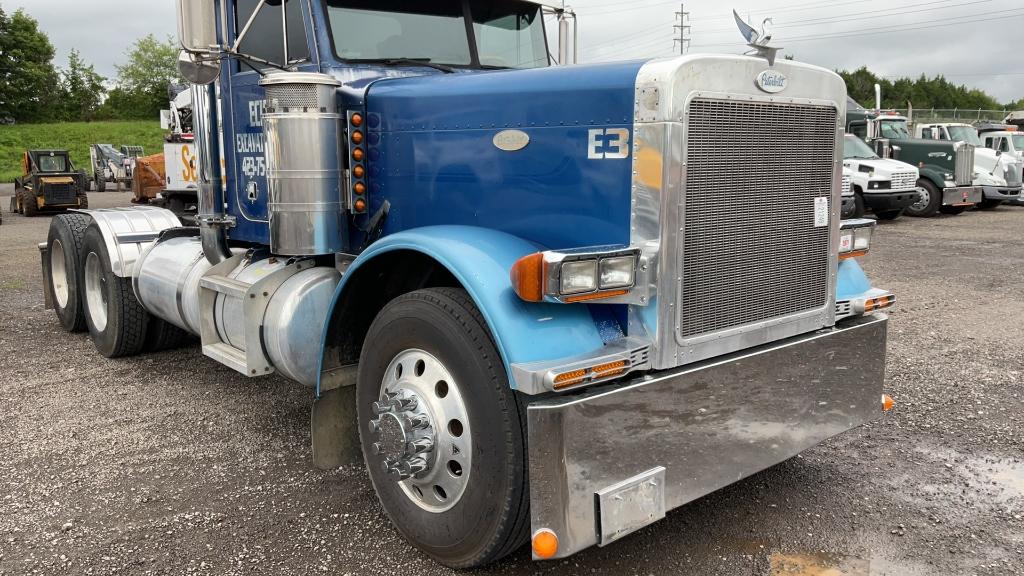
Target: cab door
[(244, 142)]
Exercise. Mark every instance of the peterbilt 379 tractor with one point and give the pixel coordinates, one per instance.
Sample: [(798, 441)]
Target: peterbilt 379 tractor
[(543, 303), (946, 169)]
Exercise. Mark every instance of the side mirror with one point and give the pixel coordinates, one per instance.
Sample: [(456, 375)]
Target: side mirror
[(197, 25), (197, 70)]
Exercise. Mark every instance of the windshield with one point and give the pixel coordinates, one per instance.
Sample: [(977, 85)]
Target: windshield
[(508, 34), (965, 133), (53, 164), (854, 147), (1018, 142), (893, 129)]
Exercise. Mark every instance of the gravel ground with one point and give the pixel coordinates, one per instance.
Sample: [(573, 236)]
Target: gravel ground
[(172, 464)]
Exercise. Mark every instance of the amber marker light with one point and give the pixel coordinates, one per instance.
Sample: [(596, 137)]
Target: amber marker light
[(357, 137), (358, 154), (359, 171), (609, 369), (596, 296), (360, 205), (854, 254), (545, 544), (357, 120), (527, 276), (360, 188), (570, 378), (887, 403)]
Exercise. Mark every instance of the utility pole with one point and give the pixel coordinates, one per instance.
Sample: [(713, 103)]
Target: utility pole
[(683, 19)]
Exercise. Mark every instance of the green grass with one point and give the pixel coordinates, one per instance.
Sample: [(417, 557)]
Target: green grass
[(73, 136)]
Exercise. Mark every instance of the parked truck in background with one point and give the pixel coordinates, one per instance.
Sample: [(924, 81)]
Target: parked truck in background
[(180, 193), (884, 185), (946, 168), (998, 175), (543, 304), (1005, 139), (849, 199)]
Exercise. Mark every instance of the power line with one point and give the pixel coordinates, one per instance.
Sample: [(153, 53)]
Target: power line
[(894, 28)]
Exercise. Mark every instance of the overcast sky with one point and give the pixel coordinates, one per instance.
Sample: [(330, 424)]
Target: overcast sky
[(974, 42)]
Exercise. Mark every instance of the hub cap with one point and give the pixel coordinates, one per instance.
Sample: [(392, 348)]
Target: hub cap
[(421, 432), (923, 198), (95, 292), (59, 274)]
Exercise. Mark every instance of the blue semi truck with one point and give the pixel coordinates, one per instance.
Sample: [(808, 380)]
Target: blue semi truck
[(543, 303)]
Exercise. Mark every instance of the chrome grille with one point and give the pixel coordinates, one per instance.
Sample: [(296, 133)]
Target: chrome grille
[(904, 180), (751, 250), (964, 173), (847, 185), (1013, 175)]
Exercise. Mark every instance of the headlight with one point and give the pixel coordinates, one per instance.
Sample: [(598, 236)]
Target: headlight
[(579, 276), (617, 272), (855, 238)]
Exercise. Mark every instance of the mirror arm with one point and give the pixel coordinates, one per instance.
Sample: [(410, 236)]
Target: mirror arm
[(284, 28)]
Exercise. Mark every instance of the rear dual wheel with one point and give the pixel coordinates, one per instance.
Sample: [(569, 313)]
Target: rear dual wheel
[(117, 321), (64, 247), (443, 435)]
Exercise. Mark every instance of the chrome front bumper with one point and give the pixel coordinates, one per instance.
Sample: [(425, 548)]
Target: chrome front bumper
[(997, 193), (962, 196), (611, 460)]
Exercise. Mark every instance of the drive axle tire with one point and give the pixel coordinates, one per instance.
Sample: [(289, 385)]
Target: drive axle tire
[(989, 204), (429, 368), (117, 321), (162, 335), (858, 206), (64, 247), (928, 203), (101, 184)]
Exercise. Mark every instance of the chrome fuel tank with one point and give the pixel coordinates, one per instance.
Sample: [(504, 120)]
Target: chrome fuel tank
[(166, 281)]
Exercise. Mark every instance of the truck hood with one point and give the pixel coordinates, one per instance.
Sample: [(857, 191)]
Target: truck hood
[(883, 167)]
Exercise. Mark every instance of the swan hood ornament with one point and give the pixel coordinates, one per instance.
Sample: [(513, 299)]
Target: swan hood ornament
[(758, 39)]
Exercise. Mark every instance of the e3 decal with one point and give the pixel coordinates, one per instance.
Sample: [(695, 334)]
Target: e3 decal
[(608, 144)]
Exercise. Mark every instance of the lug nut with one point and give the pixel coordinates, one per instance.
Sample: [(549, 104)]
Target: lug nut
[(412, 466), (404, 404), (377, 448), (374, 426), (419, 446), (417, 422), (381, 407)]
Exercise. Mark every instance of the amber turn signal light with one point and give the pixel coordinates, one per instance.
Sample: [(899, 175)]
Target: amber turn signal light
[(357, 137), (545, 544), (359, 171), (360, 188), (360, 205), (357, 120), (358, 154), (527, 277), (887, 403)]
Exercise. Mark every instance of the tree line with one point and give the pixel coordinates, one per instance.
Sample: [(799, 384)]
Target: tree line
[(34, 90), (922, 93)]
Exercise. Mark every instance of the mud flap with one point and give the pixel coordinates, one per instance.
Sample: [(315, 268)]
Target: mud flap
[(334, 429)]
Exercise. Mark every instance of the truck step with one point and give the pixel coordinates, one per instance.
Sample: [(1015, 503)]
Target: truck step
[(226, 286), (227, 355)]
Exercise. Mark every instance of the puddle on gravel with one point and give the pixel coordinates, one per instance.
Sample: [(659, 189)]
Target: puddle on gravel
[(1001, 479), (836, 565)]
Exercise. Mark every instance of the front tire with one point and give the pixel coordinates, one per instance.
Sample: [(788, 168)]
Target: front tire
[(858, 206), (929, 200), (64, 246), (29, 207), (466, 502), (101, 184), (117, 321)]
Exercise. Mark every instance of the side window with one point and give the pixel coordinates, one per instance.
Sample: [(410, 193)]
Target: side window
[(942, 133), (860, 130), (1004, 145), (265, 37), (990, 143)]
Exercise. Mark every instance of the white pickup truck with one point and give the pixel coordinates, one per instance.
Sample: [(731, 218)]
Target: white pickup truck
[(999, 175), (886, 186)]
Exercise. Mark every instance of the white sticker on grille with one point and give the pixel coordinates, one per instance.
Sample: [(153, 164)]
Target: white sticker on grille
[(821, 212)]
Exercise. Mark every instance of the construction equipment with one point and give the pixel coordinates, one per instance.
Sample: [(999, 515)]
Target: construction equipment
[(110, 164), (50, 184)]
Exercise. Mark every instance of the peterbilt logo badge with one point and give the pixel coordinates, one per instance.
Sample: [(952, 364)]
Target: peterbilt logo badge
[(771, 81), (511, 140)]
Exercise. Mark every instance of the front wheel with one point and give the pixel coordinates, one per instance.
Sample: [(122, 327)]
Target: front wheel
[(443, 435), (101, 184), (858, 206), (29, 206), (929, 200)]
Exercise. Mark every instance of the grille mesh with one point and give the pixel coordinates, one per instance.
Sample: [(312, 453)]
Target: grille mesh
[(750, 249), (847, 185), (289, 96), (964, 173), (59, 193), (904, 180), (1013, 175)]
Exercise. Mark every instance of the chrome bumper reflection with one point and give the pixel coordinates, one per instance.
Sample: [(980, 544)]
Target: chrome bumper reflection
[(708, 424)]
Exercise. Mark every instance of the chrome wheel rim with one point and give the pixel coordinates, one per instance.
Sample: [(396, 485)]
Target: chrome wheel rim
[(923, 199), (59, 274), (421, 431), (95, 293)]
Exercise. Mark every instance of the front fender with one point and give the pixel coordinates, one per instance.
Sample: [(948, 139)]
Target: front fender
[(480, 259)]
